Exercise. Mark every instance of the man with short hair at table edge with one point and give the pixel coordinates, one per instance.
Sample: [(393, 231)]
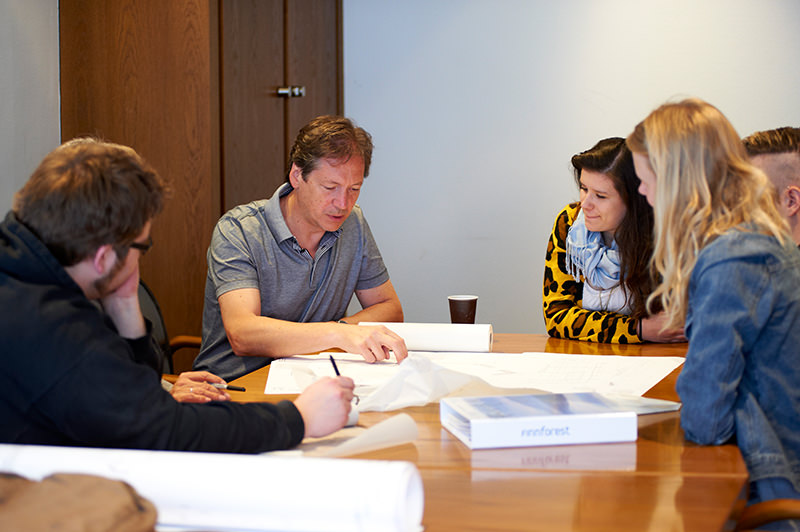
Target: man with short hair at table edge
[(282, 271), (777, 153), (76, 374)]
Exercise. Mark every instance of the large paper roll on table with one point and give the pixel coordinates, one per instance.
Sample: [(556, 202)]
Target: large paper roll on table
[(217, 491), (442, 336)]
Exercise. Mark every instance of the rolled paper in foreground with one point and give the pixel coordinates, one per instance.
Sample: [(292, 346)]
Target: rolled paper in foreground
[(218, 491)]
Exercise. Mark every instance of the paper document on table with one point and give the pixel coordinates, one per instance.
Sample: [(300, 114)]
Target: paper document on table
[(382, 386), (258, 493), (294, 374), (419, 381), (425, 377), (399, 429)]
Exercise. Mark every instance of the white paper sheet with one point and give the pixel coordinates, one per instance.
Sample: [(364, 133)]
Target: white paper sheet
[(397, 430), (416, 382), (456, 337), (217, 491), (426, 377)]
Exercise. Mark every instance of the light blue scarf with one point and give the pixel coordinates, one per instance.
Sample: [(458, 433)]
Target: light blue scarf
[(587, 255)]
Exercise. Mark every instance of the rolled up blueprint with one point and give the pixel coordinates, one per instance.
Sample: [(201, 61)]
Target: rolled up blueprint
[(442, 336), (217, 491)]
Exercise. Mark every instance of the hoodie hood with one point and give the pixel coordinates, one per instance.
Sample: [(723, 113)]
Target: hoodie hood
[(25, 258)]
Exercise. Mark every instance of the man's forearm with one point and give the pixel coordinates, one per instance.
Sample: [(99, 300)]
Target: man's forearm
[(386, 311), (279, 338), (127, 317)]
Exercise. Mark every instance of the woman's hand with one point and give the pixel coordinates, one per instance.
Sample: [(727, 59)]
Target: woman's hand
[(653, 330)]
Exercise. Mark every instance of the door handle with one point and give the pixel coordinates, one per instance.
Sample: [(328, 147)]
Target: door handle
[(292, 91)]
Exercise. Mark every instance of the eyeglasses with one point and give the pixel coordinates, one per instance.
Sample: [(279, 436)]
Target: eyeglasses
[(144, 247)]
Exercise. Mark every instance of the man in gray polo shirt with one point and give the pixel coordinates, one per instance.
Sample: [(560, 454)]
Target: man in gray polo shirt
[(282, 271)]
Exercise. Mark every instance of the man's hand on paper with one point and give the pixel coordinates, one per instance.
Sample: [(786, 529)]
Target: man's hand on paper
[(372, 342), (325, 405)]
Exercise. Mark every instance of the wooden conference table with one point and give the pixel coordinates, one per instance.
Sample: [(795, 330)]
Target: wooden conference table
[(660, 482)]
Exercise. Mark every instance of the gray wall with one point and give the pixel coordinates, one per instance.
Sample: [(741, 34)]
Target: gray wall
[(476, 107), (29, 90)]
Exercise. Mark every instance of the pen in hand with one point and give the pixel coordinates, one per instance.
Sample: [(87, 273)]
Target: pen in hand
[(227, 387), (333, 362)]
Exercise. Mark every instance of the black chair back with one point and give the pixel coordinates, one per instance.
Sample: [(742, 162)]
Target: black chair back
[(152, 312)]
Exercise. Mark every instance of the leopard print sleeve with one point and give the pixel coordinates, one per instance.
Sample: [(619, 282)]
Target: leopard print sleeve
[(563, 315)]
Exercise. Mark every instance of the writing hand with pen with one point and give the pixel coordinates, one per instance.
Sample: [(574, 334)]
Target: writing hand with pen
[(326, 404)]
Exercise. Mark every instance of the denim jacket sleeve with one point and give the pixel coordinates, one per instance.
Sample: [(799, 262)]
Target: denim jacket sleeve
[(727, 294)]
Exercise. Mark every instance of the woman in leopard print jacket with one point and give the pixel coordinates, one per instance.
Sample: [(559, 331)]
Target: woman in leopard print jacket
[(597, 276)]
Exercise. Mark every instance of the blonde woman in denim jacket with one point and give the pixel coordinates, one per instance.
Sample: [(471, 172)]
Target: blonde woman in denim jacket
[(730, 273)]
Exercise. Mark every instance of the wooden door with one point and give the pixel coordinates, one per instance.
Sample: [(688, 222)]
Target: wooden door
[(313, 63), (190, 85), (144, 73), (265, 45), (252, 52)]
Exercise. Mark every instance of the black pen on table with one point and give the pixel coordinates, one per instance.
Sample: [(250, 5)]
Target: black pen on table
[(228, 387)]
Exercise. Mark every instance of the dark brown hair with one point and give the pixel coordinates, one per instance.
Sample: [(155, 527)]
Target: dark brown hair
[(781, 140), (329, 137), (634, 237), (87, 193)]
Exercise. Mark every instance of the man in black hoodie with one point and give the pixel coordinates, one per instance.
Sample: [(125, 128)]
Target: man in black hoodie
[(75, 375)]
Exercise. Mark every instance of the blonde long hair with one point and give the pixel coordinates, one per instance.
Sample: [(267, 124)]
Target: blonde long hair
[(705, 186)]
